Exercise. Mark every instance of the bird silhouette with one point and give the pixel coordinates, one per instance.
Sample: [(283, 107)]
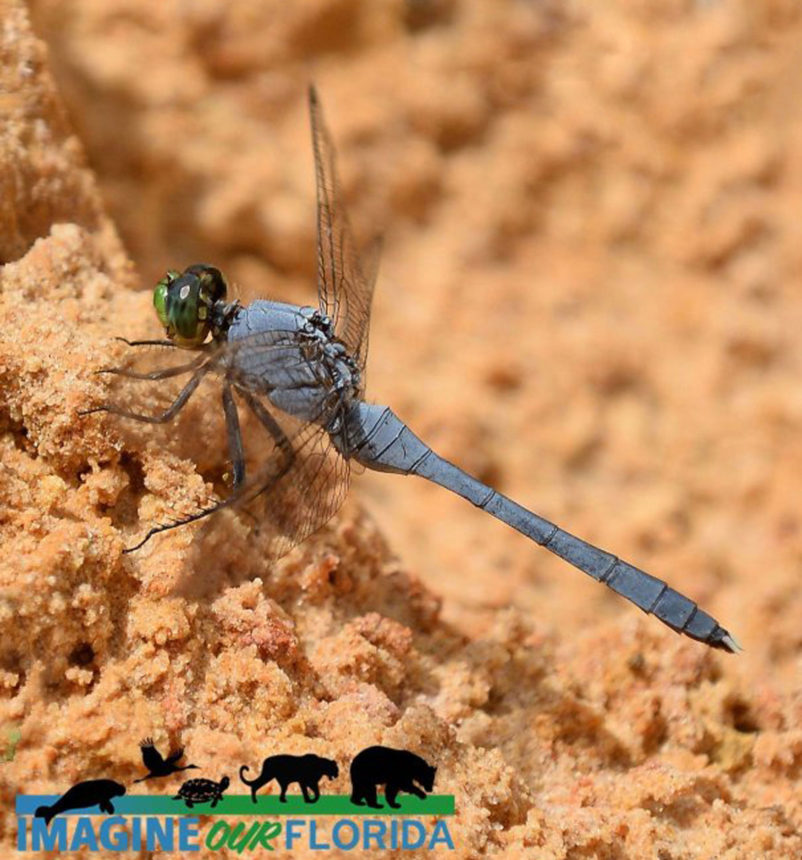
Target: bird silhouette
[(158, 766)]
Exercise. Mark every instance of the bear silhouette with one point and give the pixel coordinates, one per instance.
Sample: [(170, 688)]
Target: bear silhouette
[(396, 770), (306, 770)]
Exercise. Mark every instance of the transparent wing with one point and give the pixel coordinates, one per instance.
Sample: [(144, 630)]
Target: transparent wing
[(273, 357), (344, 291), (301, 483), (303, 479)]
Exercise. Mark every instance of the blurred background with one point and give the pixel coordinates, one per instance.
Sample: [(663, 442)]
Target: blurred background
[(589, 294)]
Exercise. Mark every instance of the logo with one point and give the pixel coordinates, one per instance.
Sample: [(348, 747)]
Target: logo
[(405, 815)]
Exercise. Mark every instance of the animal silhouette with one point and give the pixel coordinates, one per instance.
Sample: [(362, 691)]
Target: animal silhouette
[(158, 766), (92, 792), (202, 791), (306, 770), (396, 770)]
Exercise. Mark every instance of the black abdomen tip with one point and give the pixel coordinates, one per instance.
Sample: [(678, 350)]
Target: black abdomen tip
[(724, 640)]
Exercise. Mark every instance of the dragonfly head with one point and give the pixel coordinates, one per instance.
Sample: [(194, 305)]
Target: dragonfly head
[(184, 303)]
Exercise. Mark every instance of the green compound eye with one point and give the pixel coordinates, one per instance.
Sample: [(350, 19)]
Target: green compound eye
[(189, 329), (159, 300), (160, 296), (183, 303)]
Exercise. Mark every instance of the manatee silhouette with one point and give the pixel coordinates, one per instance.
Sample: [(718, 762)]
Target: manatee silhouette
[(82, 795)]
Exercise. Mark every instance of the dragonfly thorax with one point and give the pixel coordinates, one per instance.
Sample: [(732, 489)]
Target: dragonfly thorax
[(292, 355)]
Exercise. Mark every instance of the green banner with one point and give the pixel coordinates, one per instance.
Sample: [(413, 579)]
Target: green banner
[(269, 804)]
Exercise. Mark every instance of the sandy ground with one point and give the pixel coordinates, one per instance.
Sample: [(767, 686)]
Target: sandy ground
[(588, 297)]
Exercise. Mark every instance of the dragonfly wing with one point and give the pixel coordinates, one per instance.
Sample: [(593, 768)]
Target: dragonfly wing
[(300, 486), (344, 291), (270, 359)]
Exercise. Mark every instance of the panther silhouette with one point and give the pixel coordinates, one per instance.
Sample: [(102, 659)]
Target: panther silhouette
[(306, 770)]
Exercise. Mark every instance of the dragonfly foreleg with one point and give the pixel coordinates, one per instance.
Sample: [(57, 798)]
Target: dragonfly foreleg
[(161, 342), (164, 373), (162, 418)]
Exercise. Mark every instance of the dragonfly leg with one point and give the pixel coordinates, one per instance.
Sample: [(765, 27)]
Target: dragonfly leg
[(235, 451), (162, 342), (279, 437), (269, 423), (236, 496), (162, 418), (164, 373), (198, 515), (237, 459)]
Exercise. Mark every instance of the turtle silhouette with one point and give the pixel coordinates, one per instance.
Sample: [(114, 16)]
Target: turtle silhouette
[(92, 792), (306, 770), (202, 791), (396, 770), (159, 766)]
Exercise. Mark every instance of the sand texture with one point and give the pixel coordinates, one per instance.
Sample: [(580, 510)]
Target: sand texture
[(589, 297)]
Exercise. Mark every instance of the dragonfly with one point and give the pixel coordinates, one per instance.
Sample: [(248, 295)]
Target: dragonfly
[(301, 372)]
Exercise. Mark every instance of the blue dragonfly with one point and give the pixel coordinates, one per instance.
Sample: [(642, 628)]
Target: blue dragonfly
[(301, 372)]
